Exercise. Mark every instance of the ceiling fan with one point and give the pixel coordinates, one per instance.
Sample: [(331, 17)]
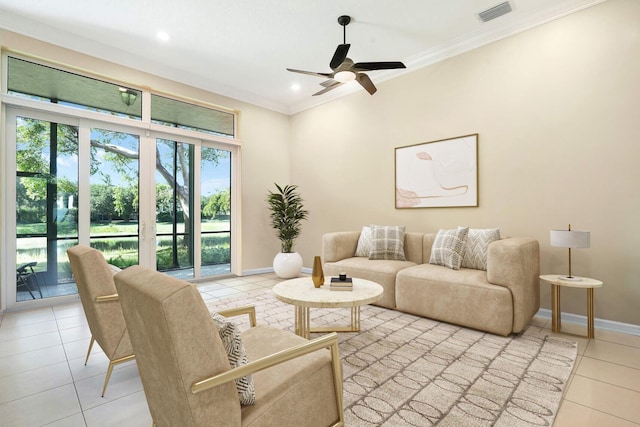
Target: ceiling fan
[(345, 70)]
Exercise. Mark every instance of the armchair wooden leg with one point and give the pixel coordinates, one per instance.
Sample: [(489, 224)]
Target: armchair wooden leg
[(89, 351), (338, 380), (112, 363), (106, 379)]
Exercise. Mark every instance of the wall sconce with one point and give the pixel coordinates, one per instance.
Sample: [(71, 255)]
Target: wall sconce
[(128, 96), (570, 239)]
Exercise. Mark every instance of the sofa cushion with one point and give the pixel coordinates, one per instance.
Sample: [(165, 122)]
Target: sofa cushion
[(448, 247), (232, 342), (387, 242), (462, 297), (364, 242), (475, 253)]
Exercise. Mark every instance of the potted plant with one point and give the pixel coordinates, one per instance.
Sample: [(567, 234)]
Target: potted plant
[(287, 213)]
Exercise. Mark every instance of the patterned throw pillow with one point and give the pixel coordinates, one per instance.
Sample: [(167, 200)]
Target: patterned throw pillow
[(387, 242), (475, 253), (230, 335), (448, 248), (364, 242)]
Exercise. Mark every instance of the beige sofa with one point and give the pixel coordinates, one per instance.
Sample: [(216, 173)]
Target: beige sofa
[(500, 300)]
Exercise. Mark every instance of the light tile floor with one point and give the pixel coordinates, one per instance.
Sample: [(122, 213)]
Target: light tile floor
[(43, 380)]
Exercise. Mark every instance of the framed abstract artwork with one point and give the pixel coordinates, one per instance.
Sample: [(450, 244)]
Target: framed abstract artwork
[(437, 174)]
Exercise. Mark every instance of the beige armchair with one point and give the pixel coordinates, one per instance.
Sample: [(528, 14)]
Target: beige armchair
[(94, 278), (186, 374)]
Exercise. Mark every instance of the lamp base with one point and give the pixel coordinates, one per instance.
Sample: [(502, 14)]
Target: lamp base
[(571, 278)]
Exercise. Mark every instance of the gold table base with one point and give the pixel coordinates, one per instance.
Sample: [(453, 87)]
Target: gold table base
[(302, 324), (556, 320)]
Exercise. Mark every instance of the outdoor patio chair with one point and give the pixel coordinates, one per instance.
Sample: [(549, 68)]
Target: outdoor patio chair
[(186, 372), (26, 276), (94, 278)]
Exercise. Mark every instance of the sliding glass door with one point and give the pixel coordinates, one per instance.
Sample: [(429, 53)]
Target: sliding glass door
[(140, 198), (174, 207), (181, 215), (215, 212), (114, 195), (46, 209)]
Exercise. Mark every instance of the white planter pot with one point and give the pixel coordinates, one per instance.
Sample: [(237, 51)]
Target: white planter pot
[(287, 265)]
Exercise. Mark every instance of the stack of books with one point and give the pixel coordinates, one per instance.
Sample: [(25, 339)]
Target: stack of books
[(341, 285)]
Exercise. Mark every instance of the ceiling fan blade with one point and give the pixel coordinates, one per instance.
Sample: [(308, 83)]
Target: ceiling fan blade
[(328, 83), (339, 56), (310, 73), (366, 83), (328, 88), (371, 66)]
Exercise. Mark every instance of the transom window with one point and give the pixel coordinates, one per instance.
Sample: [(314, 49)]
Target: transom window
[(36, 81)]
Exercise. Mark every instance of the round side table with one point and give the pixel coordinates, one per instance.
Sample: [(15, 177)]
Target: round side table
[(556, 281)]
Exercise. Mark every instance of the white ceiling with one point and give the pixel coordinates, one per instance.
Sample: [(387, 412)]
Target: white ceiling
[(241, 49)]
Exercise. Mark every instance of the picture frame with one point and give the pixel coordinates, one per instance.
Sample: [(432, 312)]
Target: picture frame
[(441, 173)]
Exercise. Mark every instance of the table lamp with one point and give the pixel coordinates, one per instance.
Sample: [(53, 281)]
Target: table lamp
[(570, 239)]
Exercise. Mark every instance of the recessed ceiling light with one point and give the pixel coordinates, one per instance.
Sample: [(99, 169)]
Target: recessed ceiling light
[(295, 87), (163, 36)]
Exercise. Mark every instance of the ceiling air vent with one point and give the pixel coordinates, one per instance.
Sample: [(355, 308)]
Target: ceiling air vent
[(495, 12)]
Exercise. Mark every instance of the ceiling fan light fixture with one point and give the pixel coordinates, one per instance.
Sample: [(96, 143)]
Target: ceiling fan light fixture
[(344, 76)]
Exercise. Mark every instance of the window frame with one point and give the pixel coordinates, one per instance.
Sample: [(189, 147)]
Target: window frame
[(148, 130)]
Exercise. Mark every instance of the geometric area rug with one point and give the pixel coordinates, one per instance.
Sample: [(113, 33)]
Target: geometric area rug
[(405, 370)]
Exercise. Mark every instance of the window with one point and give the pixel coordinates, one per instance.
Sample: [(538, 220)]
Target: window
[(169, 112), (142, 194), (46, 206), (215, 211), (114, 195), (49, 84)]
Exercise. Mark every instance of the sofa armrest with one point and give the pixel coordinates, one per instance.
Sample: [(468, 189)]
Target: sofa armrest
[(339, 245), (515, 264)]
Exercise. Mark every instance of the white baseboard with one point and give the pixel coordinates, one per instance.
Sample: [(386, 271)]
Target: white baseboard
[(305, 270), (625, 328), (257, 271)]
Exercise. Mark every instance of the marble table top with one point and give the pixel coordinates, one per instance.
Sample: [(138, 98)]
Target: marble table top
[(301, 292), (577, 282)]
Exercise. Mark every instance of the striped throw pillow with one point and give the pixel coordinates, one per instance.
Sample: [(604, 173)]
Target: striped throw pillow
[(230, 335), (448, 247)]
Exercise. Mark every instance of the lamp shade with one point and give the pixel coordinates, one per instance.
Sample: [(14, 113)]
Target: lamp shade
[(570, 238)]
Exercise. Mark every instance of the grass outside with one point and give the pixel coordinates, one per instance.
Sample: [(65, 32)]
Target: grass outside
[(120, 228), (123, 251)]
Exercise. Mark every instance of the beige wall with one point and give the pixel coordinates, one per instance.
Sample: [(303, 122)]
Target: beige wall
[(264, 134), (557, 110)]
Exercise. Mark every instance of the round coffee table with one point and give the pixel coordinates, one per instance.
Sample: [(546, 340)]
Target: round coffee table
[(303, 295)]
